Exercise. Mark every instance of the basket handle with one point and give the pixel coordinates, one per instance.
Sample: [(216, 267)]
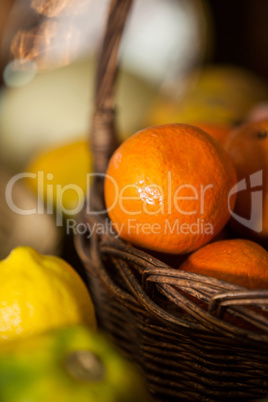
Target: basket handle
[(103, 136)]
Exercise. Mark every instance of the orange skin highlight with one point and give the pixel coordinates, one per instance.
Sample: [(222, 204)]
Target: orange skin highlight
[(169, 175)]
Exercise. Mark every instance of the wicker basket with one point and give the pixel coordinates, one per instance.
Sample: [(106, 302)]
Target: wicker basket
[(196, 338)]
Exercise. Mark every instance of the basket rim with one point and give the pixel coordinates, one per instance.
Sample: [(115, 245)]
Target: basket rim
[(177, 286)]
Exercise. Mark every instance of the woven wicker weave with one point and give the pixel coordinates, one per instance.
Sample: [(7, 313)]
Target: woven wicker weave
[(195, 337)]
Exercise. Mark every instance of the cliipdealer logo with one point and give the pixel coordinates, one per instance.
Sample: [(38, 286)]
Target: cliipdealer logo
[(255, 187)]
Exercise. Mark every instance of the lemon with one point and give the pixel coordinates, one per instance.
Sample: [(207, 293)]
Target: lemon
[(60, 176), (39, 293)]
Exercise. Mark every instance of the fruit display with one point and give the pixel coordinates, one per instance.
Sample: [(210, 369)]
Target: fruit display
[(49, 344), (71, 364), (146, 279)]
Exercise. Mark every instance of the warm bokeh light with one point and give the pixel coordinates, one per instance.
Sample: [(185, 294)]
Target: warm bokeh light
[(58, 8), (49, 64), (49, 44), (48, 31)]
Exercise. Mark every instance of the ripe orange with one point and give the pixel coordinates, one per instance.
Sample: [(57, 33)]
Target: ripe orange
[(248, 149), (238, 261), (167, 187), (218, 131)]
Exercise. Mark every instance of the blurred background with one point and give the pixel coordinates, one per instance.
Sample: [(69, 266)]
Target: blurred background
[(239, 30), (241, 34), (181, 61), (48, 60), (48, 55)]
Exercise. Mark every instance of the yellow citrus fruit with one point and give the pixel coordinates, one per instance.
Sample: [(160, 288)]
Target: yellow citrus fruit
[(39, 293), (60, 175), (221, 94)]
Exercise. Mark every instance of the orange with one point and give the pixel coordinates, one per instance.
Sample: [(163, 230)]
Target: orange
[(239, 261), (167, 187), (248, 149), (218, 131)]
